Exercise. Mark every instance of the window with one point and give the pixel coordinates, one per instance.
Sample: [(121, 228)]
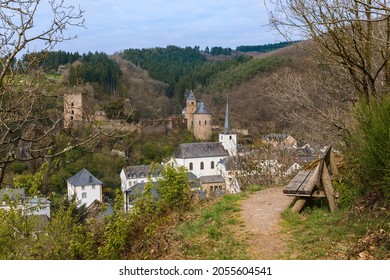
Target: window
[(83, 188), (200, 122), (191, 167), (84, 195), (93, 187), (205, 122), (212, 165), (230, 137), (202, 165), (72, 112)]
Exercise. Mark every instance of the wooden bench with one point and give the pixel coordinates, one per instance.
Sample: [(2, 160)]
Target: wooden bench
[(315, 183)]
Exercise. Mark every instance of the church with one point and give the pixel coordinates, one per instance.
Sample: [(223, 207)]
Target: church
[(212, 163), (198, 118), (207, 160)]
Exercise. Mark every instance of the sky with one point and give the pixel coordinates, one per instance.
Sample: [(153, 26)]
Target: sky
[(113, 26)]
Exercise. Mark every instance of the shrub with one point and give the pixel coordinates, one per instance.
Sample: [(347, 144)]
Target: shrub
[(370, 147)]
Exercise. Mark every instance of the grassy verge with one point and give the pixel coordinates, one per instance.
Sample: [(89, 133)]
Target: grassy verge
[(347, 234), (213, 231)]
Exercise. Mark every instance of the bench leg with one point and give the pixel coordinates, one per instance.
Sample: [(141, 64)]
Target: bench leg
[(298, 205), (329, 191)]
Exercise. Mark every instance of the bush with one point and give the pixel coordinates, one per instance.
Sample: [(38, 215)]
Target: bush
[(370, 147), (18, 167)]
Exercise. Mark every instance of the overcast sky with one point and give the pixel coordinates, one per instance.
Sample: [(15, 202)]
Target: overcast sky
[(113, 26)]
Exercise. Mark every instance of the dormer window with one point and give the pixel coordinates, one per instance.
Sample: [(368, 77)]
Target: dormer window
[(142, 174)]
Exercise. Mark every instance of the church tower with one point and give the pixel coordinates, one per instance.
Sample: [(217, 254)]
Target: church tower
[(228, 138), (202, 127), (190, 110)]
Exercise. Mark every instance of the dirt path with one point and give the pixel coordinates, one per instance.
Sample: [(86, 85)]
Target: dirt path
[(261, 215)]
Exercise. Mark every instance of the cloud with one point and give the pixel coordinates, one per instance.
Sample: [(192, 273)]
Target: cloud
[(116, 25)]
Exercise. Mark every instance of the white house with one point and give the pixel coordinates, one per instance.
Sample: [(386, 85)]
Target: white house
[(85, 187), (38, 206), (133, 180), (138, 174)]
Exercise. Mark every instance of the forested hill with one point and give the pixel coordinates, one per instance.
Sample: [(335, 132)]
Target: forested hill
[(187, 68), (264, 48), (156, 80), (169, 64)]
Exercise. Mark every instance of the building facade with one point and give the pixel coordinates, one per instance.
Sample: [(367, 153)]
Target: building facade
[(85, 188)]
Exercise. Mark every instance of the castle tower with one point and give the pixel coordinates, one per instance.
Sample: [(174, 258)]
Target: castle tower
[(202, 123), (228, 138), (190, 110), (73, 109)]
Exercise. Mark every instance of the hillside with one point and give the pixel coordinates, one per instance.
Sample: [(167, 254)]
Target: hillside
[(260, 88), (247, 82), (146, 94)]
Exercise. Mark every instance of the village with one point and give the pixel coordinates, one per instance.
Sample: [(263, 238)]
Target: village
[(213, 168)]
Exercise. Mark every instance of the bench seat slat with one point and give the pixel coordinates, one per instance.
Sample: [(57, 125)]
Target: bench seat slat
[(296, 183), (310, 183)]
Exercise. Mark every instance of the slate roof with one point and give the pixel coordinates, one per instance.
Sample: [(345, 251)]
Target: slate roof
[(10, 193), (139, 188), (141, 171), (191, 96), (227, 127), (201, 109), (193, 181), (211, 179), (84, 178), (276, 136), (199, 150), (38, 200), (231, 163)]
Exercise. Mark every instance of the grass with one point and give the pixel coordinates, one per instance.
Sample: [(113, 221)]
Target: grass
[(347, 234), (213, 231)]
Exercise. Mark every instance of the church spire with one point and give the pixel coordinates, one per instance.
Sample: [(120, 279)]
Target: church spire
[(227, 127)]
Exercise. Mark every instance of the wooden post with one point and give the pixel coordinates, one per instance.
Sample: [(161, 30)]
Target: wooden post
[(298, 205), (329, 191), (333, 166)]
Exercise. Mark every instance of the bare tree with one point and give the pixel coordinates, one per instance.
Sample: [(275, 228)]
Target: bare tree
[(316, 101), (353, 35), (31, 110)]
